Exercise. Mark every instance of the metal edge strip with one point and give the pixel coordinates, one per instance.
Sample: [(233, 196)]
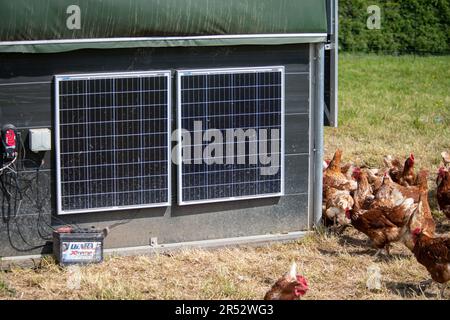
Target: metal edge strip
[(132, 39)]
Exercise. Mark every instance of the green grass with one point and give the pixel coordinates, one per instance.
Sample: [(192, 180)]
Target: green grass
[(5, 289), (392, 105)]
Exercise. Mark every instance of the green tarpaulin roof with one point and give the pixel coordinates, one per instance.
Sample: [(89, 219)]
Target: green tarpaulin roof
[(63, 25)]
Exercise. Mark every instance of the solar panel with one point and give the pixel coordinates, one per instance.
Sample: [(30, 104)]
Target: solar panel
[(112, 141), (215, 108)]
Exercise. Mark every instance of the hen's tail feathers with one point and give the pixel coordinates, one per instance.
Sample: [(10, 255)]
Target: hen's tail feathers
[(446, 158), (388, 161), (408, 203), (336, 162)]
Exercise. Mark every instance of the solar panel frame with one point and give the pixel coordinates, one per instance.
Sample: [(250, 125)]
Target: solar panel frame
[(180, 74), (115, 75)]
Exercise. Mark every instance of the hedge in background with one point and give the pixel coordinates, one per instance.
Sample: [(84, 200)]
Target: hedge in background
[(407, 26)]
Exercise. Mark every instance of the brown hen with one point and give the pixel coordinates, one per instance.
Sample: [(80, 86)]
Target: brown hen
[(443, 191), (333, 176), (401, 174), (433, 252), (290, 287), (363, 194), (382, 225), (446, 158)]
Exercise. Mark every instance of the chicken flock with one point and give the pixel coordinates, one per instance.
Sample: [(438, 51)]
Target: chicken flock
[(388, 205)]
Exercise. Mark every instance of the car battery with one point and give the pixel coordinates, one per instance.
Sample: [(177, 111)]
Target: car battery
[(79, 246)]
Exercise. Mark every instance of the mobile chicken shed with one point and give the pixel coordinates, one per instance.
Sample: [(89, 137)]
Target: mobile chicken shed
[(171, 122)]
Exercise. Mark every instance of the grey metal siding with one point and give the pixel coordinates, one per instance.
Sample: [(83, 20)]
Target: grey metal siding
[(26, 101)]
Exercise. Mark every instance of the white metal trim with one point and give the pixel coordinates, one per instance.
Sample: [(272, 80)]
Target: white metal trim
[(283, 129), (311, 139), (183, 72), (88, 76), (134, 39), (110, 75), (229, 199), (319, 61), (180, 145), (57, 150), (332, 106), (169, 138), (211, 71), (117, 208), (213, 243), (334, 84)]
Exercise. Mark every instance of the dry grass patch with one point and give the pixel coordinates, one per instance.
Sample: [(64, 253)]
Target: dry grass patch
[(335, 266)]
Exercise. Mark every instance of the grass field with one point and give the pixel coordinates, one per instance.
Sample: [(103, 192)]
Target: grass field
[(392, 105), (388, 105)]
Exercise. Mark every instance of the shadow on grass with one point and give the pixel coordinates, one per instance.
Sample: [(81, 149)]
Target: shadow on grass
[(442, 228), (370, 252), (345, 240), (411, 290), (332, 253), (361, 247)]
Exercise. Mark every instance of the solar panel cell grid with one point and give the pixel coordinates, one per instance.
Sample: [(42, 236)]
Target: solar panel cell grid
[(226, 100), (113, 146)]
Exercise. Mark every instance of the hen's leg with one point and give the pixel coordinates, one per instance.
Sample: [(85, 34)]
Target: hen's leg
[(387, 247), (334, 225), (377, 253), (426, 282), (342, 229), (442, 288)]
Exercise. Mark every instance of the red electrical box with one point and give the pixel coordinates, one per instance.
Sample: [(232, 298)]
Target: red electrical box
[(9, 142)]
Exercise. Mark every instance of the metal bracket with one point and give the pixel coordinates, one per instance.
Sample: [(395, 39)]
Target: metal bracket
[(329, 46), (154, 242)]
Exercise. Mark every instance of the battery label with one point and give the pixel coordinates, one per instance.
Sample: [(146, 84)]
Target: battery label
[(81, 251)]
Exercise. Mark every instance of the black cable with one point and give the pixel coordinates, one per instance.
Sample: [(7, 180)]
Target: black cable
[(22, 148), (40, 208), (8, 232), (11, 181), (6, 212), (19, 232), (7, 217), (15, 189), (39, 203)]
